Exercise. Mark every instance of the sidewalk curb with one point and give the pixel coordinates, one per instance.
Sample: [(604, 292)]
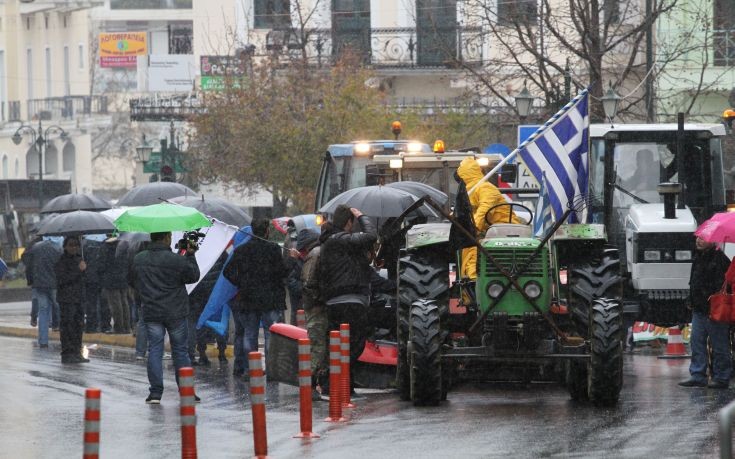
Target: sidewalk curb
[(95, 338)]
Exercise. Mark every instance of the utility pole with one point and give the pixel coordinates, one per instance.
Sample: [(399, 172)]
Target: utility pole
[(650, 107)]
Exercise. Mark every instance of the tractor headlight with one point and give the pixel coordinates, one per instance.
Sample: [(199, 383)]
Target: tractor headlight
[(683, 255), (494, 289), (533, 289), (652, 255)]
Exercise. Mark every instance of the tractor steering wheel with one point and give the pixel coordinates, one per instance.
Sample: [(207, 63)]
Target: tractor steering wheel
[(510, 214)]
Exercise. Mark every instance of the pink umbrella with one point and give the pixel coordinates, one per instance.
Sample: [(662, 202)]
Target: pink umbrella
[(719, 228)]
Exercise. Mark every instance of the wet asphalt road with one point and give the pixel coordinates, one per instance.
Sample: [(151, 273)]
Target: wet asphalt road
[(42, 406)]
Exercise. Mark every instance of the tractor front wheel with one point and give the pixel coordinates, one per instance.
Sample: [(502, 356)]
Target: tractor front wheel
[(425, 353), (605, 368)]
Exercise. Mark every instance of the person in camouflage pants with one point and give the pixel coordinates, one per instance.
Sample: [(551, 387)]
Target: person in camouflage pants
[(317, 322)]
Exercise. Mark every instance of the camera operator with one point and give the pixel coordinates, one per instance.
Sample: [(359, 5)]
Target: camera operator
[(160, 279)]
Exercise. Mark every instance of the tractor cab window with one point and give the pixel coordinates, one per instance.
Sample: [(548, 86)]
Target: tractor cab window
[(639, 168)]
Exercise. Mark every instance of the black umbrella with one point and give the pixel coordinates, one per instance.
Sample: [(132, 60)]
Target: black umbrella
[(74, 201), (420, 190), (377, 202), (154, 193), (76, 223), (220, 209)]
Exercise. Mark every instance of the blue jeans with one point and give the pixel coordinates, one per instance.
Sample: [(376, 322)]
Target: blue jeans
[(247, 327), (141, 340), (177, 334), (719, 339), (45, 298)]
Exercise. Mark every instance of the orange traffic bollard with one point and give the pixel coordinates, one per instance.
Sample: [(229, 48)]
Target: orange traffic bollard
[(344, 342), (675, 348), (257, 399), (92, 399), (188, 414), (335, 368), (305, 390), (300, 318)]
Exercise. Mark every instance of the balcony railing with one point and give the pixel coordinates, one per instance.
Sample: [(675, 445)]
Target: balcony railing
[(723, 43), (68, 107), (399, 48)]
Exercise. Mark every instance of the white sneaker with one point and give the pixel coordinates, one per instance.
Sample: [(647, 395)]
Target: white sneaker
[(166, 356), (139, 357)]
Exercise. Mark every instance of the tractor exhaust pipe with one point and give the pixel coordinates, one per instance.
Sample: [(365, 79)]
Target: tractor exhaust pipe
[(669, 191)]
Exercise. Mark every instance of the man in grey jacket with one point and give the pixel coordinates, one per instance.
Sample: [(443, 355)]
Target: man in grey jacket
[(43, 290), (160, 280)]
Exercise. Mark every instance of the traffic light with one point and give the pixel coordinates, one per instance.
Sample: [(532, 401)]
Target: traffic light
[(167, 174)]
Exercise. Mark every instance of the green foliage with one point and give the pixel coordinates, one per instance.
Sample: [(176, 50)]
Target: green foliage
[(272, 128)]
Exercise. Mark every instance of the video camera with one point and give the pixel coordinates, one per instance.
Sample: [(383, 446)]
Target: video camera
[(190, 240)]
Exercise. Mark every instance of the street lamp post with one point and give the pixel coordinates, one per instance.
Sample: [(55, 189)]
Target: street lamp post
[(39, 138), (524, 101), (610, 103)]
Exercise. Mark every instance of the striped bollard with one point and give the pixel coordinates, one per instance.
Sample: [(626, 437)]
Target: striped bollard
[(257, 399), (344, 345), (305, 390), (300, 318), (188, 414), (335, 367), (92, 398)]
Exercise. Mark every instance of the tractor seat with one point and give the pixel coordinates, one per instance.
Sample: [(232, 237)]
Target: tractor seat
[(508, 230)]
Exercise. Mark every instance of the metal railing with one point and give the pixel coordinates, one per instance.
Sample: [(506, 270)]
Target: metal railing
[(723, 46), (68, 107), (392, 47)]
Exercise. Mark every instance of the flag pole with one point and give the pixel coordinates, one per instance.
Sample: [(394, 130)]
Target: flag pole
[(530, 139)]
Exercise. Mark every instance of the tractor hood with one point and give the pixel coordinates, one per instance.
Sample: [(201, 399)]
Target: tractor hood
[(649, 218)]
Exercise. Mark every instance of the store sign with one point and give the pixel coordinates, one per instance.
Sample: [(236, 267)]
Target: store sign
[(121, 49), (170, 73), (216, 70)]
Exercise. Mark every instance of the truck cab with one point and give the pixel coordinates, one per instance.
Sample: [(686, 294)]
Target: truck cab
[(380, 162)]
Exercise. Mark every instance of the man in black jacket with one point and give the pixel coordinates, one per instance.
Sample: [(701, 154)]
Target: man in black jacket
[(258, 270), (69, 285), (160, 280), (344, 275), (707, 277)]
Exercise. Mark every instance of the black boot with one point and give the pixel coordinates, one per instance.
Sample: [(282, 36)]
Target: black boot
[(203, 359), (222, 356)]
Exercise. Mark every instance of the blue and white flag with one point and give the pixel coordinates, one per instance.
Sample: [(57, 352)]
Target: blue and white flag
[(543, 219), (559, 152)]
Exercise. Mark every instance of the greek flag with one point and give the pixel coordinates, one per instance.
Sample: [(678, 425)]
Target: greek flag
[(543, 219), (558, 154)]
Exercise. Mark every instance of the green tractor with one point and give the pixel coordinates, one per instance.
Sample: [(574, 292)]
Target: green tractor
[(532, 314)]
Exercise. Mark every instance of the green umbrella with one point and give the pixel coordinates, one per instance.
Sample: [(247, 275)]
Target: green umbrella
[(160, 218)]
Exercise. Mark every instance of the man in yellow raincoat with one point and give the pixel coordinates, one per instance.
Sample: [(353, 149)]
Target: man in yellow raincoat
[(481, 200)]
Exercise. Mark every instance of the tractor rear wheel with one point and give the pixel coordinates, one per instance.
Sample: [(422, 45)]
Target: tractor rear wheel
[(605, 368), (592, 279), (423, 274), (425, 353)]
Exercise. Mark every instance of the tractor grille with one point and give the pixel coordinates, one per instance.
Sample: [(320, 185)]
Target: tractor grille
[(512, 260)]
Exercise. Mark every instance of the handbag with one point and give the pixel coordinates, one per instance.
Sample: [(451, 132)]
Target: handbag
[(721, 305)]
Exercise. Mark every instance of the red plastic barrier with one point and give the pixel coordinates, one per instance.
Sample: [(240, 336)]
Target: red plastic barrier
[(344, 345), (305, 390), (92, 399), (188, 414), (335, 369), (257, 399)]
